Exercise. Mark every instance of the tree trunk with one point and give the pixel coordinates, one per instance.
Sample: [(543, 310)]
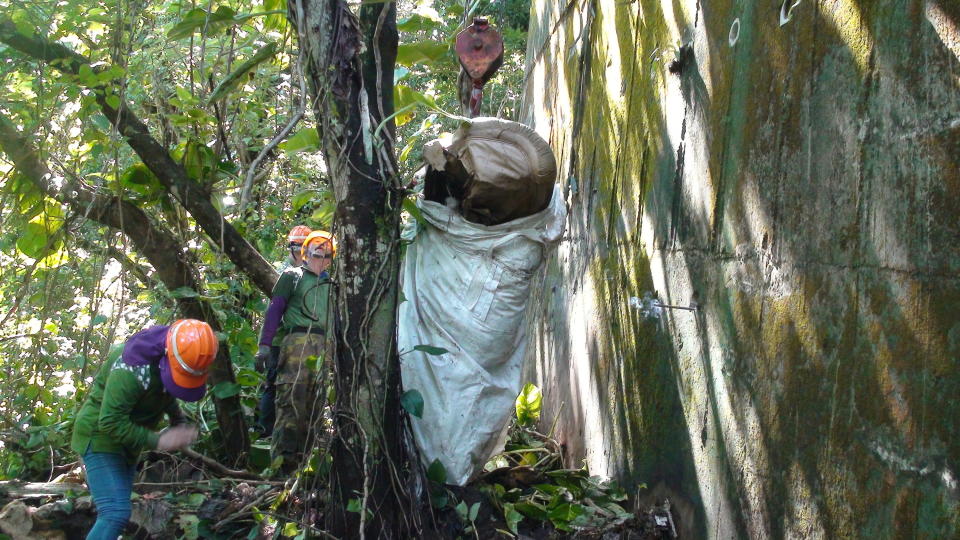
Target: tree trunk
[(353, 93), (158, 246)]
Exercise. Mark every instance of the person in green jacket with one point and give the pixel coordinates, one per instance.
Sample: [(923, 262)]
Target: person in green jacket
[(129, 397), (268, 355), (299, 307)]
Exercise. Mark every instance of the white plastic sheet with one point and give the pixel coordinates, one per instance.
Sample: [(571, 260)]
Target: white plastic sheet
[(466, 288)]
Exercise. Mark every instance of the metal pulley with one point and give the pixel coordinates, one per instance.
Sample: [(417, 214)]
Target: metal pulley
[(480, 49)]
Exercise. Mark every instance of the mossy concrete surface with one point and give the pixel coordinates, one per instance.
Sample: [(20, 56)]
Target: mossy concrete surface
[(800, 183)]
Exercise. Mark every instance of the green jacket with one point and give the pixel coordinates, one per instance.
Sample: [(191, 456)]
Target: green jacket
[(122, 410), (307, 296)]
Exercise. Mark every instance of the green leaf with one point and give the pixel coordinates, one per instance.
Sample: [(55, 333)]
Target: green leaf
[(276, 21), (437, 472), (474, 511), (512, 517), (198, 160), (302, 198), (86, 75), (198, 19), (323, 216), (233, 80), (100, 318), (354, 505), (423, 52), (183, 292), (416, 23), (531, 510), (410, 206), (33, 240), (113, 101), (412, 402), (528, 405), (431, 350), (305, 140), (140, 179), (404, 96), (290, 529), (248, 377), (565, 513), (225, 389), (462, 511)]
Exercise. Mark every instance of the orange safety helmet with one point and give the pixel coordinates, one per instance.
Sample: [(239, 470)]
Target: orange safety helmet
[(319, 237), (298, 234), (191, 348)]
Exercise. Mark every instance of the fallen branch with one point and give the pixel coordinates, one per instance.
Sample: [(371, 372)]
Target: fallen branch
[(219, 468)]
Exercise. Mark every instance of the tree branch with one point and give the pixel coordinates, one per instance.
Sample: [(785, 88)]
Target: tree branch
[(170, 173), (160, 248)]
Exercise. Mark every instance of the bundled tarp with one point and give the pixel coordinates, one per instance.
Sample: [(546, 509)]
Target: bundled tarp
[(465, 288)]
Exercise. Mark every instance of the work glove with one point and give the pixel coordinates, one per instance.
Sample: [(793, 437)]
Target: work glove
[(176, 437), (260, 361)]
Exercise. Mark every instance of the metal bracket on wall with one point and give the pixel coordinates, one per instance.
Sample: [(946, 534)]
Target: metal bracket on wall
[(653, 308)]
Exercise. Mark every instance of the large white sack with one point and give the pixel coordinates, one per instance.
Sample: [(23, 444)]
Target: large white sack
[(466, 288)]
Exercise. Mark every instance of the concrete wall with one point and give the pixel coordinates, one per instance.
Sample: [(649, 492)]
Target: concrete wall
[(801, 184)]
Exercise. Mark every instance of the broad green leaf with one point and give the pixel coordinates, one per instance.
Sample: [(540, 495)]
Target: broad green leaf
[(416, 23), (512, 517), (528, 405), (276, 21), (248, 377), (305, 140), (410, 206), (113, 101), (140, 179), (531, 510), (423, 52), (431, 350), (290, 529), (33, 239), (354, 505), (198, 19), (225, 389), (233, 80), (302, 198), (323, 216), (404, 96), (436, 472), (474, 511), (100, 318), (462, 511), (412, 402), (564, 513), (198, 160), (183, 292)]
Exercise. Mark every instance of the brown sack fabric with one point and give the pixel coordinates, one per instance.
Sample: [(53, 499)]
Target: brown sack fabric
[(495, 169)]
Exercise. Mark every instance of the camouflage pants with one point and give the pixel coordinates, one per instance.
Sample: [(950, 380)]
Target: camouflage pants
[(300, 387)]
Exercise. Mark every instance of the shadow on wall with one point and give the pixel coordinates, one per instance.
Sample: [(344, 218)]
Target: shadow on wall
[(802, 185)]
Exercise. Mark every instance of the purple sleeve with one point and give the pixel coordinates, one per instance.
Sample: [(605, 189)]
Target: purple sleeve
[(271, 320)]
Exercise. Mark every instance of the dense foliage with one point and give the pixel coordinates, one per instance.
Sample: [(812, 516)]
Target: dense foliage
[(214, 83)]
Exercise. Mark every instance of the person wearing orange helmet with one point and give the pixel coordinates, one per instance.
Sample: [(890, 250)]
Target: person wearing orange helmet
[(295, 239), (268, 356), (299, 307), (129, 396)]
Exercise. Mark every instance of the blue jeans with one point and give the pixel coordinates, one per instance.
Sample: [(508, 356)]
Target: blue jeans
[(110, 479), (267, 406)]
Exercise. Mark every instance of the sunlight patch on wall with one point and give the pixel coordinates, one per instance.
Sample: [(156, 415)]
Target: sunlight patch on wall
[(584, 318), (944, 27), (847, 21)]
